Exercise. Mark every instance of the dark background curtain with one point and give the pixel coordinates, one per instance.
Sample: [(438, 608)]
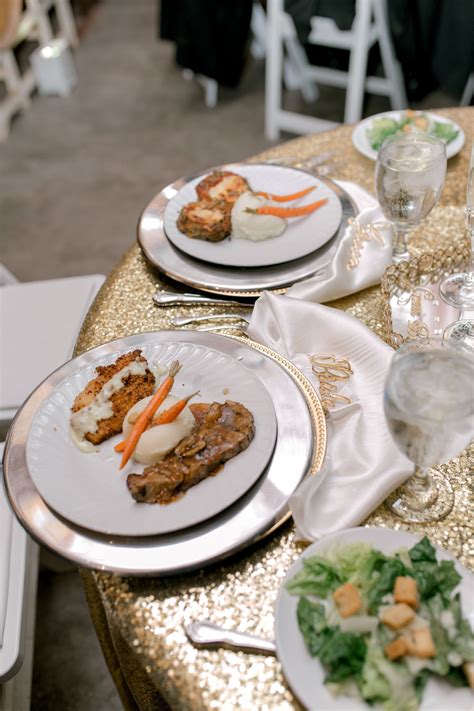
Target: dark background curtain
[(211, 35)]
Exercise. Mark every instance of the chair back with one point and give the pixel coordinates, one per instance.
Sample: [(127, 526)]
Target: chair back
[(10, 13)]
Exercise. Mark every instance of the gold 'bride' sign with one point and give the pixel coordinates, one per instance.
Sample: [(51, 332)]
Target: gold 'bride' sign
[(329, 370)]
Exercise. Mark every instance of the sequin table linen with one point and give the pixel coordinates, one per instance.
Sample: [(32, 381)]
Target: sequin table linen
[(140, 621)]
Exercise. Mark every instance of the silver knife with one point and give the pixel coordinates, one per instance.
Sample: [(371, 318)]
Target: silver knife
[(169, 298)]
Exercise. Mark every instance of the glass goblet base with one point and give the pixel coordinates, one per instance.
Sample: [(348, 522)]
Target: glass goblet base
[(433, 503), (458, 290), (460, 333)]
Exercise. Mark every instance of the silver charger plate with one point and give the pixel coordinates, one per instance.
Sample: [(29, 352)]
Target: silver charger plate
[(300, 447), (229, 281)]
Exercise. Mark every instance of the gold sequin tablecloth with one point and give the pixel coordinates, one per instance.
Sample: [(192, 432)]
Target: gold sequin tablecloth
[(140, 621)]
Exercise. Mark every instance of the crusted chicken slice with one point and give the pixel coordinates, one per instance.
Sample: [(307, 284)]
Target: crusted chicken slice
[(206, 219), (222, 185), (99, 410)]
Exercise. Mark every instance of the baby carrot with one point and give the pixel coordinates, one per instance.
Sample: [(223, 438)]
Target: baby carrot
[(172, 412), (147, 414), (288, 211), (287, 198), (164, 418)]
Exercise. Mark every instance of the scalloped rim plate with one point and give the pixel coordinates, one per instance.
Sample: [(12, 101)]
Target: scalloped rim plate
[(302, 236), (88, 488)]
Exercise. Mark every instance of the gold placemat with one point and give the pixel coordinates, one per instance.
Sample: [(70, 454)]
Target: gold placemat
[(150, 613)]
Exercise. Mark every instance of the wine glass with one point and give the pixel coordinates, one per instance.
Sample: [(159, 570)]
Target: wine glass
[(458, 289), (430, 412), (409, 177)]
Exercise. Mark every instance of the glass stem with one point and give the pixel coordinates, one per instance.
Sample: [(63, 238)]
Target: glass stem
[(400, 249), (423, 491)]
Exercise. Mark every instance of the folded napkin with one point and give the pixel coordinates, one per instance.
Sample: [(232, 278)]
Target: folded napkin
[(6, 521), (362, 255), (362, 464)]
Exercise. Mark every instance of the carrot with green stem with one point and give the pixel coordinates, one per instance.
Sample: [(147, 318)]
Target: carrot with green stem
[(163, 418), (286, 198), (287, 211), (146, 416)]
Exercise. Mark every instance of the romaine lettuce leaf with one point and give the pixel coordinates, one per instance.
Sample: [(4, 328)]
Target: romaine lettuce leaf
[(312, 623), (390, 569), (318, 577), (380, 129), (343, 653), (423, 551), (445, 131), (386, 682)]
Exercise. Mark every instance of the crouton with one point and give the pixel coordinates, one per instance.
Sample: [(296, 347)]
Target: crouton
[(423, 643), (397, 616), (347, 599), (406, 590), (468, 669), (397, 648)]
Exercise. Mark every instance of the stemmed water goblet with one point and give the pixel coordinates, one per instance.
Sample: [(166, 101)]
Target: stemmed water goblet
[(429, 409), (409, 177), (458, 289)]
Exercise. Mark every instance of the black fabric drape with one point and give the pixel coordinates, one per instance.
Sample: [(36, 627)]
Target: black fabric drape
[(211, 35)]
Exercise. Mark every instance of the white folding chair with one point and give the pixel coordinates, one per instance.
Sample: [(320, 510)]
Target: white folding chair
[(29, 23), (370, 25), (27, 312)]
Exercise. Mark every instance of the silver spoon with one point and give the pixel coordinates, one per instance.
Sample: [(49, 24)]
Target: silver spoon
[(203, 633)]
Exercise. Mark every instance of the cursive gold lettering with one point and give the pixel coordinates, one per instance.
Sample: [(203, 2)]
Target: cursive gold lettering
[(329, 370)]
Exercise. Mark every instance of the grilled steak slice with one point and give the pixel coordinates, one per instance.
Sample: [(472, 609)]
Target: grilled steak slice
[(135, 382), (222, 185), (208, 220), (220, 434)]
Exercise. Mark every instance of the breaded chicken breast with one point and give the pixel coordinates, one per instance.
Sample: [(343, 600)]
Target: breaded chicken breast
[(99, 410), (206, 219), (222, 185)]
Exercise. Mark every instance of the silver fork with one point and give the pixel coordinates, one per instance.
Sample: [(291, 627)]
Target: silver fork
[(169, 298), (185, 320)]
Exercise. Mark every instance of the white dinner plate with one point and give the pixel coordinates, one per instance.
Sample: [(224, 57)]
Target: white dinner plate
[(305, 674), (89, 490), (302, 236), (362, 143)]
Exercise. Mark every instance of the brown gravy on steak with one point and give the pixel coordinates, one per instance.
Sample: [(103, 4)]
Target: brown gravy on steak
[(222, 431)]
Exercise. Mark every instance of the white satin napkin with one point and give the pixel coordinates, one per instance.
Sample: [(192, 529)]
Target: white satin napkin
[(6, 522), (362, 464), (370, 257)]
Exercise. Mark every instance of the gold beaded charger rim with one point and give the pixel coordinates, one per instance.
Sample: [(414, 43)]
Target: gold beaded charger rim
[(310, 395)]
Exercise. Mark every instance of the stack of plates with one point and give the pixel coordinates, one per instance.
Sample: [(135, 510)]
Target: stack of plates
[(78, 503), (238, 267)]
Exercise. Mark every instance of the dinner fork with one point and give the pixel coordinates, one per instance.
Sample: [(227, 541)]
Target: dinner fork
[(185, 320)]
